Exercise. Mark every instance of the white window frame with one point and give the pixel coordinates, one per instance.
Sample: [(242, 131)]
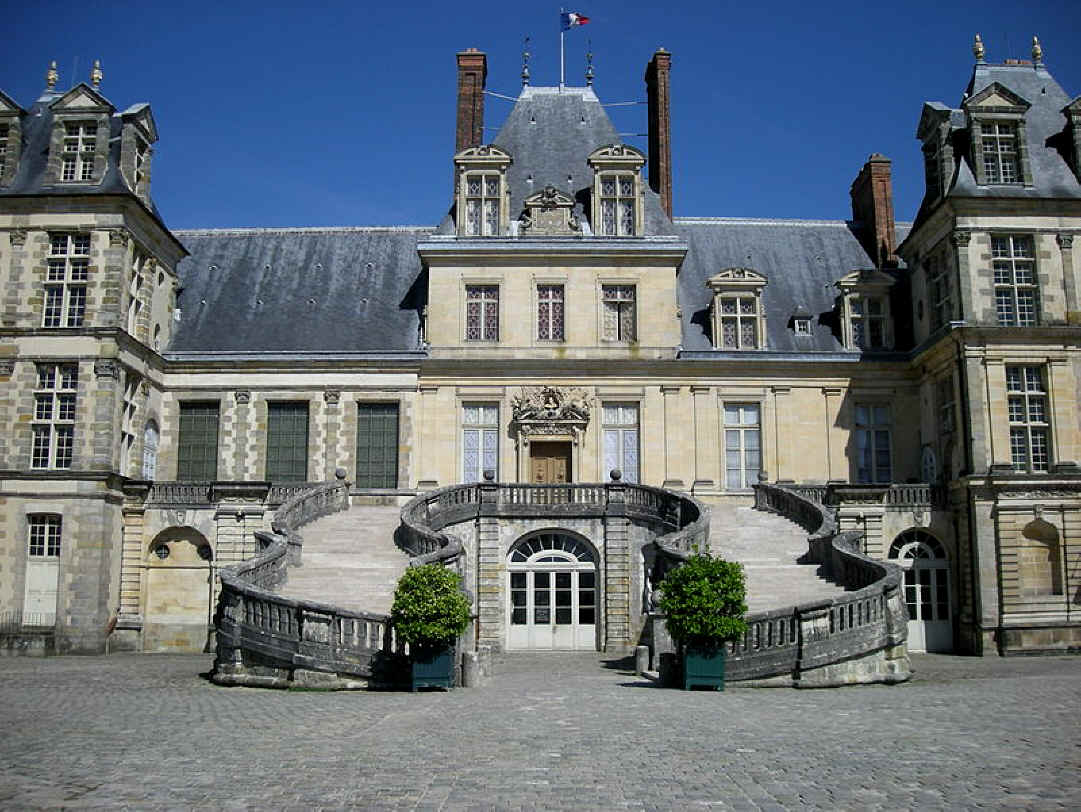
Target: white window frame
[(873, 437), (1029, 411), (621, 439), (741, 318), (742, 427), (862, 322), (618, 204), (1017, 290), (1001, 151), (67, 276), (53, 425), (483, 214), (489, 299), (614, 301), (139, 262), (480, 433), (79, 147)]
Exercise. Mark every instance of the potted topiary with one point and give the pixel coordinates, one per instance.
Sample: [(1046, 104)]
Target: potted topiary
[(703, 601), (429, 612)]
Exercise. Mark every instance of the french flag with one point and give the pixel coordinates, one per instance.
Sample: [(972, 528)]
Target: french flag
[(569, 19)]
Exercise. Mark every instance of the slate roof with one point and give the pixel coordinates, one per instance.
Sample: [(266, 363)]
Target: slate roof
[(296, 290), (549, 133), (801, 259)]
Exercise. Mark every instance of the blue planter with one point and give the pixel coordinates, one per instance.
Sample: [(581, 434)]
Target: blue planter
[(703, 668), (433, 669)]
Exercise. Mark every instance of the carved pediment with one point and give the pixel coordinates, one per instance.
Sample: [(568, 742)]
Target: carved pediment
[(549, 212), (540, 406), (623, 151), (81, 98), (866, 278), (736, 277), (484, 151), (998, 98)]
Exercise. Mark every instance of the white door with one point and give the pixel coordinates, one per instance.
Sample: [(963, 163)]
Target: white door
[(39, 600), (927, 590), (552, 590)]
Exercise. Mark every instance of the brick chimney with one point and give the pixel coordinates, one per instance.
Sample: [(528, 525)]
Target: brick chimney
[(660, 140), (472, 75), (872, 210)]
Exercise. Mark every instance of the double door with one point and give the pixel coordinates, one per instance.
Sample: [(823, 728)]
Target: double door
[(552, 609)]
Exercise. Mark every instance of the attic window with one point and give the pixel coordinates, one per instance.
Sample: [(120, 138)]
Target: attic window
[(738, 315), (80, 142), (617, 209), (801, 326), (482, 193), (1000, 154), (864, 302)]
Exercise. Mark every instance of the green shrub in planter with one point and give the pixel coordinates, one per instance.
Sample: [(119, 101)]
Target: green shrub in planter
[(704, 601), (429, 612)]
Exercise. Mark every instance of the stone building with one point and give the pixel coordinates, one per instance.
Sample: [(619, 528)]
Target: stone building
[(164, 391)]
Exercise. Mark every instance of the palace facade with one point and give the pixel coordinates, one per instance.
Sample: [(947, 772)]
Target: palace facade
[(164, 391)]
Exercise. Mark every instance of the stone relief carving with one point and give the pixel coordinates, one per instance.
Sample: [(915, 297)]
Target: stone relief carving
[(550, 403), (549, 212), (332, 396), (7, 367), (118, 238), (107, 369), (242, 396), (17, 237)]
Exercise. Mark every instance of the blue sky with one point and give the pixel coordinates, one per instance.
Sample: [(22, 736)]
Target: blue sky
[(343, 114)]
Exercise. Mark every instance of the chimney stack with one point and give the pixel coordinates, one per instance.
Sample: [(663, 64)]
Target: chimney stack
[(660, 142), (872, 210), (472, 75)]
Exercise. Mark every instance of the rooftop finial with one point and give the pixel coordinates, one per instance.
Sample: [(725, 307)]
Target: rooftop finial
[(1037, 51), (978, 50), (96, 75), (525, 63), (51, 76), (589, 65)]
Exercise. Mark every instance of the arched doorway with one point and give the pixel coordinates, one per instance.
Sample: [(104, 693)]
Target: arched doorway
[(179, 587), (927, 590), (552, 586)]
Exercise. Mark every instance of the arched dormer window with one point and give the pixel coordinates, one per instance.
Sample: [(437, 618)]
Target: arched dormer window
[(739, 321), (618, 194), (482, 203)]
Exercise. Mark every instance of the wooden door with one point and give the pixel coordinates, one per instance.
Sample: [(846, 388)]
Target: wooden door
[(550, 463)]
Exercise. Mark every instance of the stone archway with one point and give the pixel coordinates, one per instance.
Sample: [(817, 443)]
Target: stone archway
[(178, 591)]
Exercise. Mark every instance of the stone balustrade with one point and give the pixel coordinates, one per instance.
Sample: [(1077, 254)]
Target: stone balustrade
[(915, 494)]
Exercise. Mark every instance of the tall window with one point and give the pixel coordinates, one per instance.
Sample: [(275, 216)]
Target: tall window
[(947, 413), (550, 312), (54, 416), (1017, 298), (287, 442), (482, 313), (65, 283), (135, 290), (939, 290), (197, 447), (617, 206), (1029, 420), (142, 161), (44, 535), (42, 569), (127, 419), (3, 148), (620, 428), (619, 317), (742, 444), (867, 315), (1000, 154), (377, 445), (480, 440), (150, 451), (739, 322), (873, 455), (482, 205), (80, 141)]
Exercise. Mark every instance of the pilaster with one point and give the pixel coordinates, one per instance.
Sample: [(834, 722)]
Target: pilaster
[(673, 459), (617, 574), (706, 458), (961, 241), (1070, 279)]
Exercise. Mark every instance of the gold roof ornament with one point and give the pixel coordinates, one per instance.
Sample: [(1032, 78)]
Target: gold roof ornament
[(1037, 50), (977, 49), (51, 76), (96, 75)]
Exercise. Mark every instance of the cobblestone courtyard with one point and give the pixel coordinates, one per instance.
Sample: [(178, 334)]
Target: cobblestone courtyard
[(563, 731)]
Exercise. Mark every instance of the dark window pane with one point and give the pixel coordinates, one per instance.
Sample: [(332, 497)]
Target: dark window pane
[(197, 447), (377, 445)]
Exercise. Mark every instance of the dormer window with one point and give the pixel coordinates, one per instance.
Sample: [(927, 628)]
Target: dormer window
[(617, 209), (482, 202), (865, 309), (10, 138), (3, 148), (996, 120), (738, 316), (80, 144), (801, 326), (1000, 153)]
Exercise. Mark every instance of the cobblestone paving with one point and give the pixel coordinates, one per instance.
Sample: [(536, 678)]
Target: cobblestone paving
[(555, 731)]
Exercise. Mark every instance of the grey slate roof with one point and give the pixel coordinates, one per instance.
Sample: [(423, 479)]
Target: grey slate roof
[(549, 133), (801, 260), (299, 290)]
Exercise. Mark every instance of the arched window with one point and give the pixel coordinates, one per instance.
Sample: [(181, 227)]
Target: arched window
[(927, 589), (150, 450)]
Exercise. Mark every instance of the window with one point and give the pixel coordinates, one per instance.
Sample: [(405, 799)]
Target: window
[(482, 313), (377, 445), (3, 148), (873, 444), (1017, 298), (938, 290), (54, 416), (80, 142), (42, 569), (620, 428), (801, 326), (135, 290), (142, 162), (480, 440), (867, 317), (127, 418), (618, 214), (1029, 421), (66, 278), (739, 322), (619, 317), (1000, 153), (44, 535), (287, 442), (742, 444), (550, 312), (482, 205), (150, 451), (197, 447), (947, 416)]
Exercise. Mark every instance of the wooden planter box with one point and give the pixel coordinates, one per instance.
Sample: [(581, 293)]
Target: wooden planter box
[(433, 669), (703, 668)]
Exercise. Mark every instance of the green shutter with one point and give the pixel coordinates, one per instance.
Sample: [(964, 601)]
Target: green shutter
[(377, 445), (287, 442), (197, 448)]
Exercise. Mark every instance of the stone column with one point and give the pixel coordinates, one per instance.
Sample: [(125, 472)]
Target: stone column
[(332, 412), (102, 414), (427, 447), (241, 418), (706, 456), (782, 464), (961, 240), (998, 417), (491, 570), (834, 435), (16, 293), (672, 427), (617, 572), (1069, 279)]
